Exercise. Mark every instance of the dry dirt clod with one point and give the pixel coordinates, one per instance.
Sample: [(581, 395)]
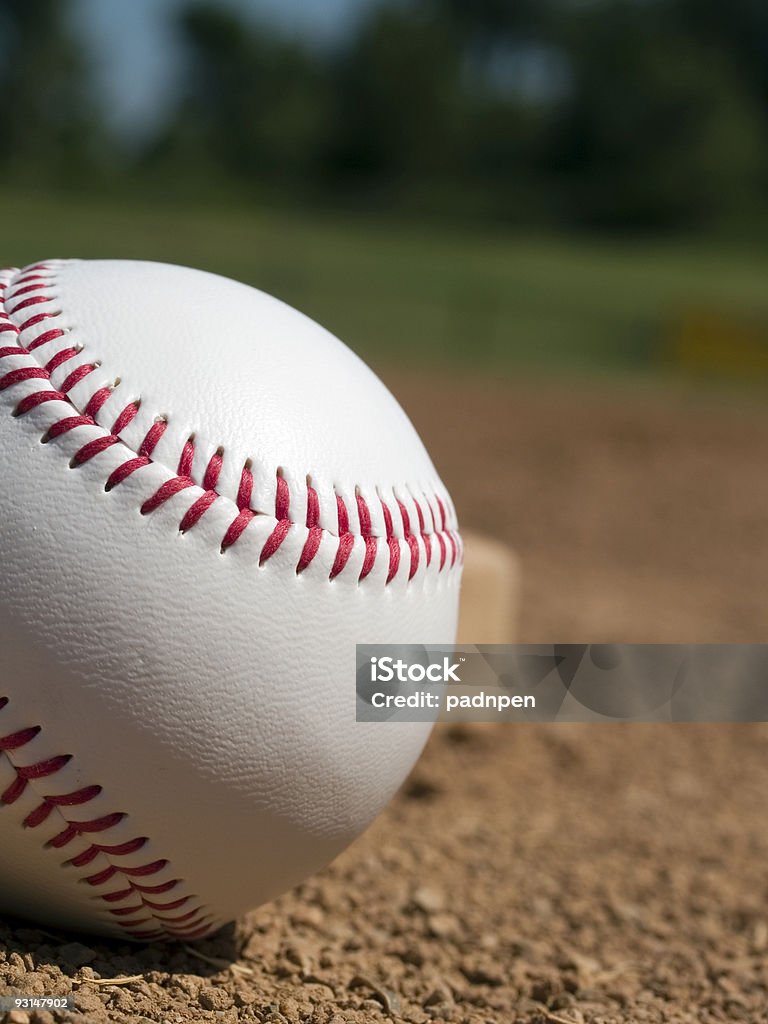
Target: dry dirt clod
[(443, 926), (215, 999), (430, 899)]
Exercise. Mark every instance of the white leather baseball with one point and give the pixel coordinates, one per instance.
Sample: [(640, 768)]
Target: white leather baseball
[(207, 500)]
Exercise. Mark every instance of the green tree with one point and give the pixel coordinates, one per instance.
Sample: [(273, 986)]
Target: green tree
[(255, 105), (488, 21), (51, 132), (653, 114), (402, 116), (739, 27), (658, 128)]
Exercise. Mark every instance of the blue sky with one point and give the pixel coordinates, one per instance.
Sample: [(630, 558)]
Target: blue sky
[(136, 61)]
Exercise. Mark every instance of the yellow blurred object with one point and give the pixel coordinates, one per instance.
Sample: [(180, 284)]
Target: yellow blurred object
[(490, 592), (711, 341)]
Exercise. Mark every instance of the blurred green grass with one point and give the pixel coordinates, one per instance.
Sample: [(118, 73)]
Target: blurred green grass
[(397, 292)]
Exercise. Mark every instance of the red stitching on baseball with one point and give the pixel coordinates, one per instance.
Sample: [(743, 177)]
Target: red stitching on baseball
[(32, 771), (114, 897), (126, 417), (346, 539), (164, 906), (236, 528), (45, 337), (422, 531), (76, 376), (35, 320), (75, 829), (95, 447), (371, 542), (273, 542), (394, 547), (141, 871), (245, 490), (282, 499), (123, 911), (447, 532), (29, 288), (23, 373), (17, 739), (213, 471), (35, 399), (413, 544), (25, 775), (61, 357), (152, 437), (196, 511), (186, 458), (96, 401), (162, 494), (121, 850), (63, 426), (34, 300), (117, 476), (36, 284)]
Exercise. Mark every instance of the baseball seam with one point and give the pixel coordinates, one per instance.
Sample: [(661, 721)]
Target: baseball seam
[(432, 538), (194, 919)]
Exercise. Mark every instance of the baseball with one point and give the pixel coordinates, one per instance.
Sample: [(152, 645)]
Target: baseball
[(207, 500)]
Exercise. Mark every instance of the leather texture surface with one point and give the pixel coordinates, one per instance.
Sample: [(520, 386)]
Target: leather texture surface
[(209, 694)]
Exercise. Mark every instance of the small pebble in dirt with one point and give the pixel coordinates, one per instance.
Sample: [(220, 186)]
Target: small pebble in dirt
[(443, 926), (308, 915), (429, 898), (245, 996)]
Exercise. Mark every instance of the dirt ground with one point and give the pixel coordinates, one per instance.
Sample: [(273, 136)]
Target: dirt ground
[(548, 874)]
